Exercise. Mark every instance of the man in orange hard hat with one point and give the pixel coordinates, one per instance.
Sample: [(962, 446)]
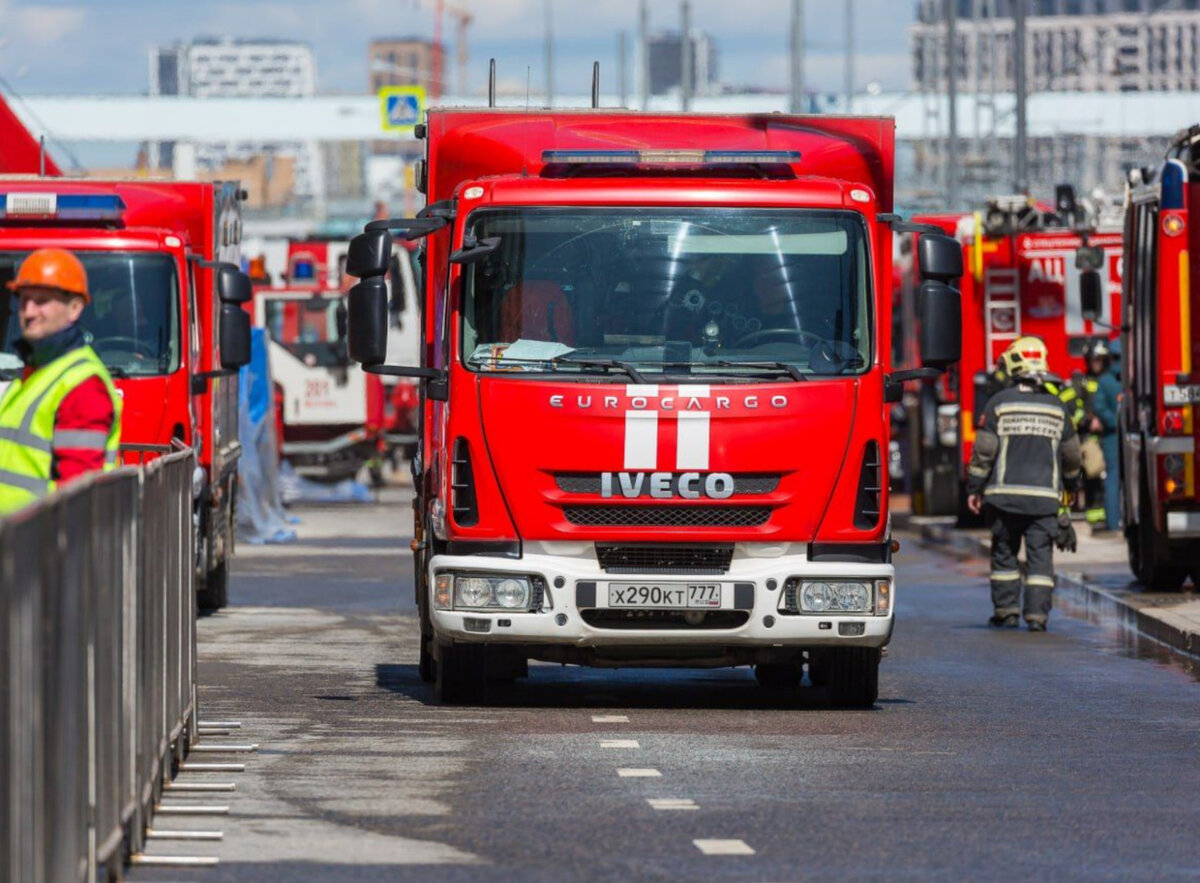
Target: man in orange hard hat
[(62, 417)]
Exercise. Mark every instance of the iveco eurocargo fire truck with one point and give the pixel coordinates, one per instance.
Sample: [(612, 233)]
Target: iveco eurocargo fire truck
[(654, 392), (165, 316), (1160, 369)]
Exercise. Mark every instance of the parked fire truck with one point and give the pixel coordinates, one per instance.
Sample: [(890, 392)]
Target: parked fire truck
[(165, 316), (1020, 278), (654, 382), (335, 419), (1160, 369)]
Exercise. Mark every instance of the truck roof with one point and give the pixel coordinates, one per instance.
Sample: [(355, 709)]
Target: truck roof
[(471, 144)]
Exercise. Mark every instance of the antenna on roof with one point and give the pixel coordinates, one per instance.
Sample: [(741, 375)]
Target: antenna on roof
[(595, 84), (492, 83), (41, 156)]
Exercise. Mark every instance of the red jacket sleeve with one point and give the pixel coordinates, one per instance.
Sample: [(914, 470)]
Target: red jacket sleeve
[(81, 429)]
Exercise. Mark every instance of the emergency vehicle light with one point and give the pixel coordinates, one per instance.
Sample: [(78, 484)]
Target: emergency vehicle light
[(671, 157), (1174, 176), (63, 207)]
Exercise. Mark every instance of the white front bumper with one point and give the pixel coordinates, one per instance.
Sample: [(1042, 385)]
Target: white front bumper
[(562, 622)]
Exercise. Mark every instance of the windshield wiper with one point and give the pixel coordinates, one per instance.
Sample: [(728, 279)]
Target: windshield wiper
[(787, 367), (634, 374), (607, 364)]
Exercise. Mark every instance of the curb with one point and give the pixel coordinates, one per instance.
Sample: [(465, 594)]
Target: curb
[(1085, 600)]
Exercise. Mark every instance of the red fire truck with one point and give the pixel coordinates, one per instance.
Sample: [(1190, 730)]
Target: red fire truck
[(654, 385), (1020, 279), (1160, 368), (165, 316)]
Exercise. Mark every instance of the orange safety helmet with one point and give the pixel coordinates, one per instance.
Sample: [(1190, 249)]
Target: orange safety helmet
[(52, 268)]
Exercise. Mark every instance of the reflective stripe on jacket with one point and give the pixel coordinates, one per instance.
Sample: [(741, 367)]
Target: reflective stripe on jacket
[(1025, 452), (27, 437)]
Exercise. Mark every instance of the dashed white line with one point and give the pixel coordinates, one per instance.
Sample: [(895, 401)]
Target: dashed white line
[(723, 847), (619, 743), (610, 718), (638, 773), (671, 803)]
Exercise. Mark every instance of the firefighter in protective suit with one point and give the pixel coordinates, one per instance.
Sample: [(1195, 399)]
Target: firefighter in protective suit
[(1026, 452)]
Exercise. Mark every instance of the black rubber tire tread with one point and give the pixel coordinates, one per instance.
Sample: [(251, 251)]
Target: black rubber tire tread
[(214, 593), (778, 675), (462, 674), (427, 665), (1154, 574), (851, 675)]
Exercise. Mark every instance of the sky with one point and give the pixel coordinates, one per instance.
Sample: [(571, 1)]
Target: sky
[(101, 46)]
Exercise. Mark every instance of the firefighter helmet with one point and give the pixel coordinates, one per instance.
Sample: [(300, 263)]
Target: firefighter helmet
[(52, 268), (1025, 357), (1098, 349)]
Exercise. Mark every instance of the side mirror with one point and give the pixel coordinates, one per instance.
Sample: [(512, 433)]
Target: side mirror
[(1089, 257), (1091, 295), (367, 321), (939, 258), (234, 336), (474, 250), (941, 322), (233, 286), (370, 254)]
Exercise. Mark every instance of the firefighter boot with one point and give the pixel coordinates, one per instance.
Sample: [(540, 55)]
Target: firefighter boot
[(1004, 620)]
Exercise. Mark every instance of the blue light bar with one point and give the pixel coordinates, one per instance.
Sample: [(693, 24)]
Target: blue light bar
[(671, 157), (1174, 177), (61, 207)]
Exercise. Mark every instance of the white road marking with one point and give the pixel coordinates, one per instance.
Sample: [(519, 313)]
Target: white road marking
[(671, 803), (636, 773), (619, 743), (610, 718), (723, 847)]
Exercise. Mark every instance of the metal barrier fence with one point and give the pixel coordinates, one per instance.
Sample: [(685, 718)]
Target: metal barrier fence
[(97, 667)]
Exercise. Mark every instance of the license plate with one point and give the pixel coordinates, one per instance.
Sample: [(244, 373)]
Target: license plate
[(669, 596), (1181, 395)]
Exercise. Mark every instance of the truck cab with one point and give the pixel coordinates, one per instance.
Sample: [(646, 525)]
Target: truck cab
[(165, 317), (653, 404)]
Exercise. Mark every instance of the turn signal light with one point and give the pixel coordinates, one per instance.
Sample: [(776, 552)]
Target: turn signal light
[(1172, 487), (1172, 423)]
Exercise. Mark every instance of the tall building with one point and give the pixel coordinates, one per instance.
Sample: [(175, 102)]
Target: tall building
[(666, 63), (1071, 46), (239, 68), (404, 61)]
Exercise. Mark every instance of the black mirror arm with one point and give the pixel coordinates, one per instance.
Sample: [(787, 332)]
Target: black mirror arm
[(915, 374), (899, 225), (436, 382), (415, 228)]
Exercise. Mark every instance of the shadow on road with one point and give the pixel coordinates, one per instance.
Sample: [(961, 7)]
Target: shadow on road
[(555, 686)]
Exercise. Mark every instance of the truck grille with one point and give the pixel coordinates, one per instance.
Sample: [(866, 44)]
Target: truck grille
[(667, 516), (589, 483), (707, 559)]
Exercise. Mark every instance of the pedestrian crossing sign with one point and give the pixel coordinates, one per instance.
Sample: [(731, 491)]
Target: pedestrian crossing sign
[(401, 107)]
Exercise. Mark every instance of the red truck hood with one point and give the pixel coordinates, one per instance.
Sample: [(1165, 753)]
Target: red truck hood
[(783, 444)]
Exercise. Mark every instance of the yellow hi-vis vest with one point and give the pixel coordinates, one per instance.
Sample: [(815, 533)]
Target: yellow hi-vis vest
[(27, 438)]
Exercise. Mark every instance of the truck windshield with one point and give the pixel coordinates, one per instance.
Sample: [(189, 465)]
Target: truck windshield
[(132, 321), (679, 291), (306, 328)]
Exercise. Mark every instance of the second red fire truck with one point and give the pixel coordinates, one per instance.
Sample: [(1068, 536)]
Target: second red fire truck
[(655, 384), (1160, 432)]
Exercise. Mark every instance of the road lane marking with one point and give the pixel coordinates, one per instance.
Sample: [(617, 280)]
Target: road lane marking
[(723, 847), (671, 803), (636, 773), (610, 718), (619, 743)]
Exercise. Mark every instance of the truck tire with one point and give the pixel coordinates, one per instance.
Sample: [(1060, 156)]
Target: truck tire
[(462, 674), (1146, 556), (850, 674), (213, 593), (427, 665), (777, 675)]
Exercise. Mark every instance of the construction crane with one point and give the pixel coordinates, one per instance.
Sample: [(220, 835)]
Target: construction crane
[(463, 18)]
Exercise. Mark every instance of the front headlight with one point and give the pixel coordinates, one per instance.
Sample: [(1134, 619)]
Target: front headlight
[(829, 596), (478, 591)]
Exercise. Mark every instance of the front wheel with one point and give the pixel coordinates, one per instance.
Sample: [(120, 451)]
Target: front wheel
[(462, 675), (850, 674), (213, 593)]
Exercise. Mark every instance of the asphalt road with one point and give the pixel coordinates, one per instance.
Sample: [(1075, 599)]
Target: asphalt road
[(990, 755)]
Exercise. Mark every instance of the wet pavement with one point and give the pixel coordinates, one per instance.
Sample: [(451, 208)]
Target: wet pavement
[(990, 755)]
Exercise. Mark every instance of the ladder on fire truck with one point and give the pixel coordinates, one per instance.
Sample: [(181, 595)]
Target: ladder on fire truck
[(1002, 309)]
